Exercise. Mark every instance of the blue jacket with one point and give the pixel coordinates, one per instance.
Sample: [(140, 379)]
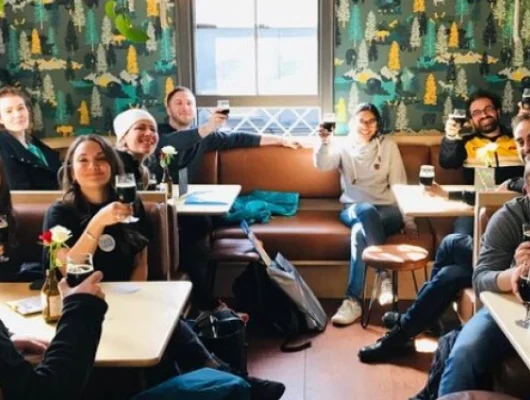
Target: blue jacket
[(260, 205)]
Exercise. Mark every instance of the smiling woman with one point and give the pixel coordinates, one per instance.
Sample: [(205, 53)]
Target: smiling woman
[(29, 163)]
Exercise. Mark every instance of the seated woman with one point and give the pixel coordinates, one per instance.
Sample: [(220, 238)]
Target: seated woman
[(369, 163), (90, 211), (136, 140), (29, 163)]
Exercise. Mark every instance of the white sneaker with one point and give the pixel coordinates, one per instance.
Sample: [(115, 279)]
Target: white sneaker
[(386, 296), (349, 312)]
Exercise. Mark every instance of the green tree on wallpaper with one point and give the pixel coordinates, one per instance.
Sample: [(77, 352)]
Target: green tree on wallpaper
[(507, 32), (70, 40), (50, 41), (470, 35), (40, 13), (355, 30), (489, 36), (91, 30), (13, 47), (429, 41), (61, 116), (462, 9)]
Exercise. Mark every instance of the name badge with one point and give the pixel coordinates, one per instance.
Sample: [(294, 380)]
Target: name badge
[(106, 243)]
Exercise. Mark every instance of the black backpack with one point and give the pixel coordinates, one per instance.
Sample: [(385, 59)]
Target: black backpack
[(270, 309)]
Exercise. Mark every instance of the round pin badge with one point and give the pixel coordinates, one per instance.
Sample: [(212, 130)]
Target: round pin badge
[(107, 243), (377, 166)]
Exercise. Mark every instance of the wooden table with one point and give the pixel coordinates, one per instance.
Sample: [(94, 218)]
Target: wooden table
[(137, 326), (506, 310), (218, 199), (414, 202)]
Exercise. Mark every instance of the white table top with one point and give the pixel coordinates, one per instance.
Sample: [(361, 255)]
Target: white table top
[(137, 326), (414, 202), (505, 310), (221, 197)]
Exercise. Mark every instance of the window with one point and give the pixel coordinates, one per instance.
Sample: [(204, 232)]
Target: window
[(265, 56)]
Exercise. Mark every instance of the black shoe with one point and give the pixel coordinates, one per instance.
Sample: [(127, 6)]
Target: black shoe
[(261, 389), (390, 319), (393, 344)]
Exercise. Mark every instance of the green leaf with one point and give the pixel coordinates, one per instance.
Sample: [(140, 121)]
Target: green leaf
[(109, 9), (123, 24), (137, 35)]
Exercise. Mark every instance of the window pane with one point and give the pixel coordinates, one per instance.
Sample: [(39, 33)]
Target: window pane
[(287, 47)]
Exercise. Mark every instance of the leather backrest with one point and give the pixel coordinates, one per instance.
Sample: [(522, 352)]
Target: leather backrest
[(445, 176), (208, 172), (414, 156), (277, 169), (30, 217)]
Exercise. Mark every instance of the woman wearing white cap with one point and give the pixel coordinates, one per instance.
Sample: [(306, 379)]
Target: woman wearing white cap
[(136, 140)]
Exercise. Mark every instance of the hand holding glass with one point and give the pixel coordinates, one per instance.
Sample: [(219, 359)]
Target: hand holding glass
[(525, 101), (126, 192), (329, 122), (78, 268), (223, 107)]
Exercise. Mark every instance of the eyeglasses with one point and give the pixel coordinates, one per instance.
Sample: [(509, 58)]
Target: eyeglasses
[(367, 122), (485, 111)]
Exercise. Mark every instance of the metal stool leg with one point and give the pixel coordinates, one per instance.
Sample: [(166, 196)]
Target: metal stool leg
[(415, 282), (364, 321), (395, 291)]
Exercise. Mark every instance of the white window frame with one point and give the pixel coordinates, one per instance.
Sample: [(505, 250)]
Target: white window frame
[(184, 26)]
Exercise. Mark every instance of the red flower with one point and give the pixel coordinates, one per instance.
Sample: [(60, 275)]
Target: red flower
[(46, 238)]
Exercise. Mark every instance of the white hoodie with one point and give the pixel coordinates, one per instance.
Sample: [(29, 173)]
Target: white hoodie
[(367, 170)]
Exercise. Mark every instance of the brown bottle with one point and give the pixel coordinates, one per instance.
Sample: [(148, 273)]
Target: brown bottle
[(52, 304), (168, 182)]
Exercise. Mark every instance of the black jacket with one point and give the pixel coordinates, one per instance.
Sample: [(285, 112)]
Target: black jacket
[(453, 155), (66, 366), (191, 147), (23, 169)]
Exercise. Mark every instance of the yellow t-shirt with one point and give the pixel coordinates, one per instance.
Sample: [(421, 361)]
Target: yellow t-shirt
[(483, 151)]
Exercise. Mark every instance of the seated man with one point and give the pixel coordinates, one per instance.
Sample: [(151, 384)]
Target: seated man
[(451, 273), (504, 257), (484, 112)]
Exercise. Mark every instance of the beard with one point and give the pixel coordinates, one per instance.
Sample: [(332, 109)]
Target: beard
[(488, 125)]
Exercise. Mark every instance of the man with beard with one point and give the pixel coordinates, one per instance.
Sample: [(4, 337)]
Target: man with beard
[(483, 109)]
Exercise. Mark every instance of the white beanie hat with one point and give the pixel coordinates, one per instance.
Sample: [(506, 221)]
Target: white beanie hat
[(123, 121)]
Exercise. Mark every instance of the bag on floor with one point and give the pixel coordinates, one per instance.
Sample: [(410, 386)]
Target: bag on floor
[(277, 298), (223, 333), (445, 345)]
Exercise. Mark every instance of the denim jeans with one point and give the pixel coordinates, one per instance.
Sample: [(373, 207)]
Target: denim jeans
[(370, 225), (480, 346), (452, 271), (464, 225)]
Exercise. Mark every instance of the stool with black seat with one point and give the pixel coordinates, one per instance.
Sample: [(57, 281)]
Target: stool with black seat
[(395, 258)]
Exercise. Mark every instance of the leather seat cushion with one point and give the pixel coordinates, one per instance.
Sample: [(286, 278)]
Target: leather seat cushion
[(313, 235), (396, 256), (476, 395), (232, 250)]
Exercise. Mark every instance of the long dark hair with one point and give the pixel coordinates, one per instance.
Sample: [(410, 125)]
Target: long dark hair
[(71, 190), (373, 109), (73, 196), (6, 206)]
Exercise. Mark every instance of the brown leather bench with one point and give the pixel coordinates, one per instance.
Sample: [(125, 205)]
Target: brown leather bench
[(162, 263), (314, 235)]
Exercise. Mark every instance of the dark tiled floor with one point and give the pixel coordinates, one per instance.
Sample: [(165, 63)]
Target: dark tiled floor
[(330, 369)]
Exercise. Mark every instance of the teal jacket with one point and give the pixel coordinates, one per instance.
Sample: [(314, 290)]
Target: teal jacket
[(260, 205)]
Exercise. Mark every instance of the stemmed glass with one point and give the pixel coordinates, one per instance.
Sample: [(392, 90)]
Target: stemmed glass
[(523, 283), (126, 191)]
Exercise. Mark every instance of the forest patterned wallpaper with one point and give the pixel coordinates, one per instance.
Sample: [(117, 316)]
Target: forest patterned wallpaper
[(418, 59), (78, 70)]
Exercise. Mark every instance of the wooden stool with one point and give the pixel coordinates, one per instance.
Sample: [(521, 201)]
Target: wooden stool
[(394, 257), (477, 395)]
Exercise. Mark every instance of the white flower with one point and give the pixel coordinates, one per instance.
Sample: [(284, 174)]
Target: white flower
[(60, 234), (169, 150)]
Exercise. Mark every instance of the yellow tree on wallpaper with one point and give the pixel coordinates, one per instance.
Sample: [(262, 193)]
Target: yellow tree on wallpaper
[(132, 62), (170, 85), (152, 8), (430, 97), (340, 108), (453, 36), (35, 42), (419, 6), (393, 57), (84, 116)]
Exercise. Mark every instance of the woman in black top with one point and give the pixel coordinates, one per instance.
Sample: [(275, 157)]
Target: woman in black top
[(29, 163), (136, 141), (9, 268), (89, 208)]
